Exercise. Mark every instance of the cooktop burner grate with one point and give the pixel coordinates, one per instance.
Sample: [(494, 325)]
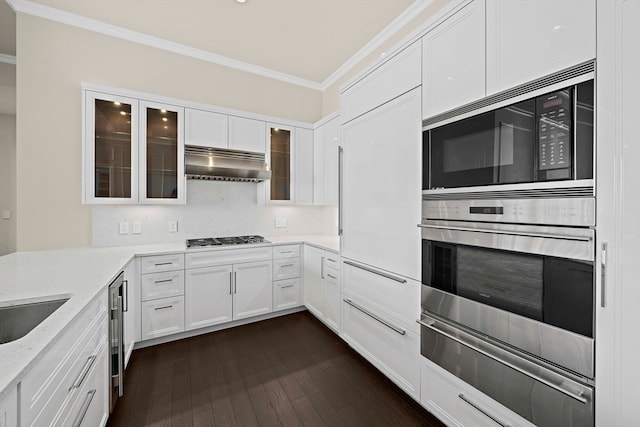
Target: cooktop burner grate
[(224, 241)]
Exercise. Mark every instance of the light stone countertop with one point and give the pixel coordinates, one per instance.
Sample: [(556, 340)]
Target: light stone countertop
[(78, 274)]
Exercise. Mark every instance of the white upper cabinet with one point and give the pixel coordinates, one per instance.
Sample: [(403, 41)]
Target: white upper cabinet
[(394, 77), (161, 177), (110, 149), (303, 167), (246, 134), (326, 140), (453, 61), (206, 129), (530, 39)]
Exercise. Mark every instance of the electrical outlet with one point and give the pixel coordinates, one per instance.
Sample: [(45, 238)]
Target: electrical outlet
[(124, 227), (137, 227), (6, 214), (280, 223), (173, 226)]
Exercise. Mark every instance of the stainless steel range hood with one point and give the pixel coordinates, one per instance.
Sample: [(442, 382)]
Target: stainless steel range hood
[(224, 165)]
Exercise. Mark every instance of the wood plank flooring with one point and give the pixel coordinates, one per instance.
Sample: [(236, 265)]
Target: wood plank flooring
[(287, 371)]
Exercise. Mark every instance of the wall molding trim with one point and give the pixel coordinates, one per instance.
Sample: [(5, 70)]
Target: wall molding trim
[(7, 59), (89, 24)]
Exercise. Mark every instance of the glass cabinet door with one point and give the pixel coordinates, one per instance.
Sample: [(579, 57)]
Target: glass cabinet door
[(162, 177), (110, 149), (280, 163)]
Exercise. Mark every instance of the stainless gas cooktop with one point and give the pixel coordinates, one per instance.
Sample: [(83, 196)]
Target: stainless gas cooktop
[(223, 241)]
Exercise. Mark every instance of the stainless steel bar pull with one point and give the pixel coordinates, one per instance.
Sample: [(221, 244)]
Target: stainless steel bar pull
[(603, 275), (378, 272), (340, 156), (482, 411), (84, 408), (83, 372), (509, 233), (374, 317)]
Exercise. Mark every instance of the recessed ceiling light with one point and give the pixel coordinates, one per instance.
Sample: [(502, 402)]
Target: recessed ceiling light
[(241, 1)]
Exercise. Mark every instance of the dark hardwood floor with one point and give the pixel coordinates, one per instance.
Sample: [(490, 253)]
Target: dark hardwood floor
[(290, 370)]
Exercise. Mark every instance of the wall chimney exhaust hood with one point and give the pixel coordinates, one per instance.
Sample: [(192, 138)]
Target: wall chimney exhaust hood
[(224, 165)]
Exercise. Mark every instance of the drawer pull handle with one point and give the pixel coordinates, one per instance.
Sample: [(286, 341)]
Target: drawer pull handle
[(163, 307), (482, 411), (374, 317), (286, 286), (286, 252), (374, 271), (158, 264), (332, 260), (286, 265), (163, 281), (83, 373), (332, 276), (84, 408)]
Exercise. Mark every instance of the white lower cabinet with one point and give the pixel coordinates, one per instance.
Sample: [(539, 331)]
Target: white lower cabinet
[(9, 409), (162, 317), (253, 290), (53, 390), (456, 403), (208, 296), (286, 294), (322, 285), (287, 290), (132, 307)]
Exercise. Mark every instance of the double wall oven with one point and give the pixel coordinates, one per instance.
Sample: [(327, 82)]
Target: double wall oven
[(508, 247)]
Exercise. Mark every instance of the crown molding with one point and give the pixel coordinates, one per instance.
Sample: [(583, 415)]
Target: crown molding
[(387, 32), (72, 19), (7, 59)]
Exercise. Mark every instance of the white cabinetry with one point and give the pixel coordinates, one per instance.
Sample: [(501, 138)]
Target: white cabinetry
[(453, 61), (322, 285), (206, 128), (226, 285), (379, 313), (287, 292), (9, 409), (71, 375), (132, 307), (397, 75), (326, 140), (456, 403), (162, 295), (527, 40), (381, 186), (246, 134)]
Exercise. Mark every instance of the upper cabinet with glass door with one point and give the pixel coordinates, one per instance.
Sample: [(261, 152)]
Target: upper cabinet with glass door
[(279, 159), (111, 149), (162, 179)]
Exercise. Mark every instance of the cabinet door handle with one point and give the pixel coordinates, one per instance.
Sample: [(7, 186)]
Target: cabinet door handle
[(374, 271), (603, 275), (125, 292), (374, 317), (340, 178), (230, 283), (163, 281), (322, 268), (331, 275), (162, 263), (84, 408), (163, 307), (286, 286), (332, 260), (235, 282), (83, 372), (482, 411)]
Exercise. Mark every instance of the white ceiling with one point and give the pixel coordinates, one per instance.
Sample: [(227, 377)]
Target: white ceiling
[(308, 39)]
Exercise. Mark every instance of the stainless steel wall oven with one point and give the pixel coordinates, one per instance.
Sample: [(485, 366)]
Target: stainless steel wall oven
[(508, 249)]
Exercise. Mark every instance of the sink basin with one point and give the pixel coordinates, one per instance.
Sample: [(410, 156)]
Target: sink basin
[(17, 321)]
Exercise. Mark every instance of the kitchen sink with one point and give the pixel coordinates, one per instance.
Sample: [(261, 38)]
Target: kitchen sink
[(17, 321)]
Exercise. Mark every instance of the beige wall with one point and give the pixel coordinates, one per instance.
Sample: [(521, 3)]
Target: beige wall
[(331, 96), (8, 182), (53, 60)]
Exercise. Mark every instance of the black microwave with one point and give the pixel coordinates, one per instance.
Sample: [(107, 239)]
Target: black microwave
[(548, 137)]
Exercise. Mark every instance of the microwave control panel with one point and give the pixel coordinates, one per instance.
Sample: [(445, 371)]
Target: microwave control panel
[(554, 130)]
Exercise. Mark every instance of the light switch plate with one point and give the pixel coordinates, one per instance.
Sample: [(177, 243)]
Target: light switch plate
[(137, 227), (124, 227), (280, 223), (173, 226)]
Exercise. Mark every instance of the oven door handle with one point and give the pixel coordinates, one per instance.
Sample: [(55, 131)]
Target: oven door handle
[(510, 233), (500, 355)]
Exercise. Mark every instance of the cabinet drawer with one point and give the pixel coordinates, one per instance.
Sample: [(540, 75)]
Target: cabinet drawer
[(162, 317), (390, 347), (286, 268), (398, 75), (332, 260), (162, 285), (286, 251), (49, 382), (457, 403), (286, 294), (227, 256), (88, 405), (399, 298), (158, 263)]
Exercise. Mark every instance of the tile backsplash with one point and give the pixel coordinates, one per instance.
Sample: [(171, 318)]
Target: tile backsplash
[(214, 208)]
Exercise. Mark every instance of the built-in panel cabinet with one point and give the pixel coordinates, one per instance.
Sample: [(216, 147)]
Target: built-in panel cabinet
[(453, 61), (528, 40), (322, 285), (326, 143), (206, 128), (246, 134)]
